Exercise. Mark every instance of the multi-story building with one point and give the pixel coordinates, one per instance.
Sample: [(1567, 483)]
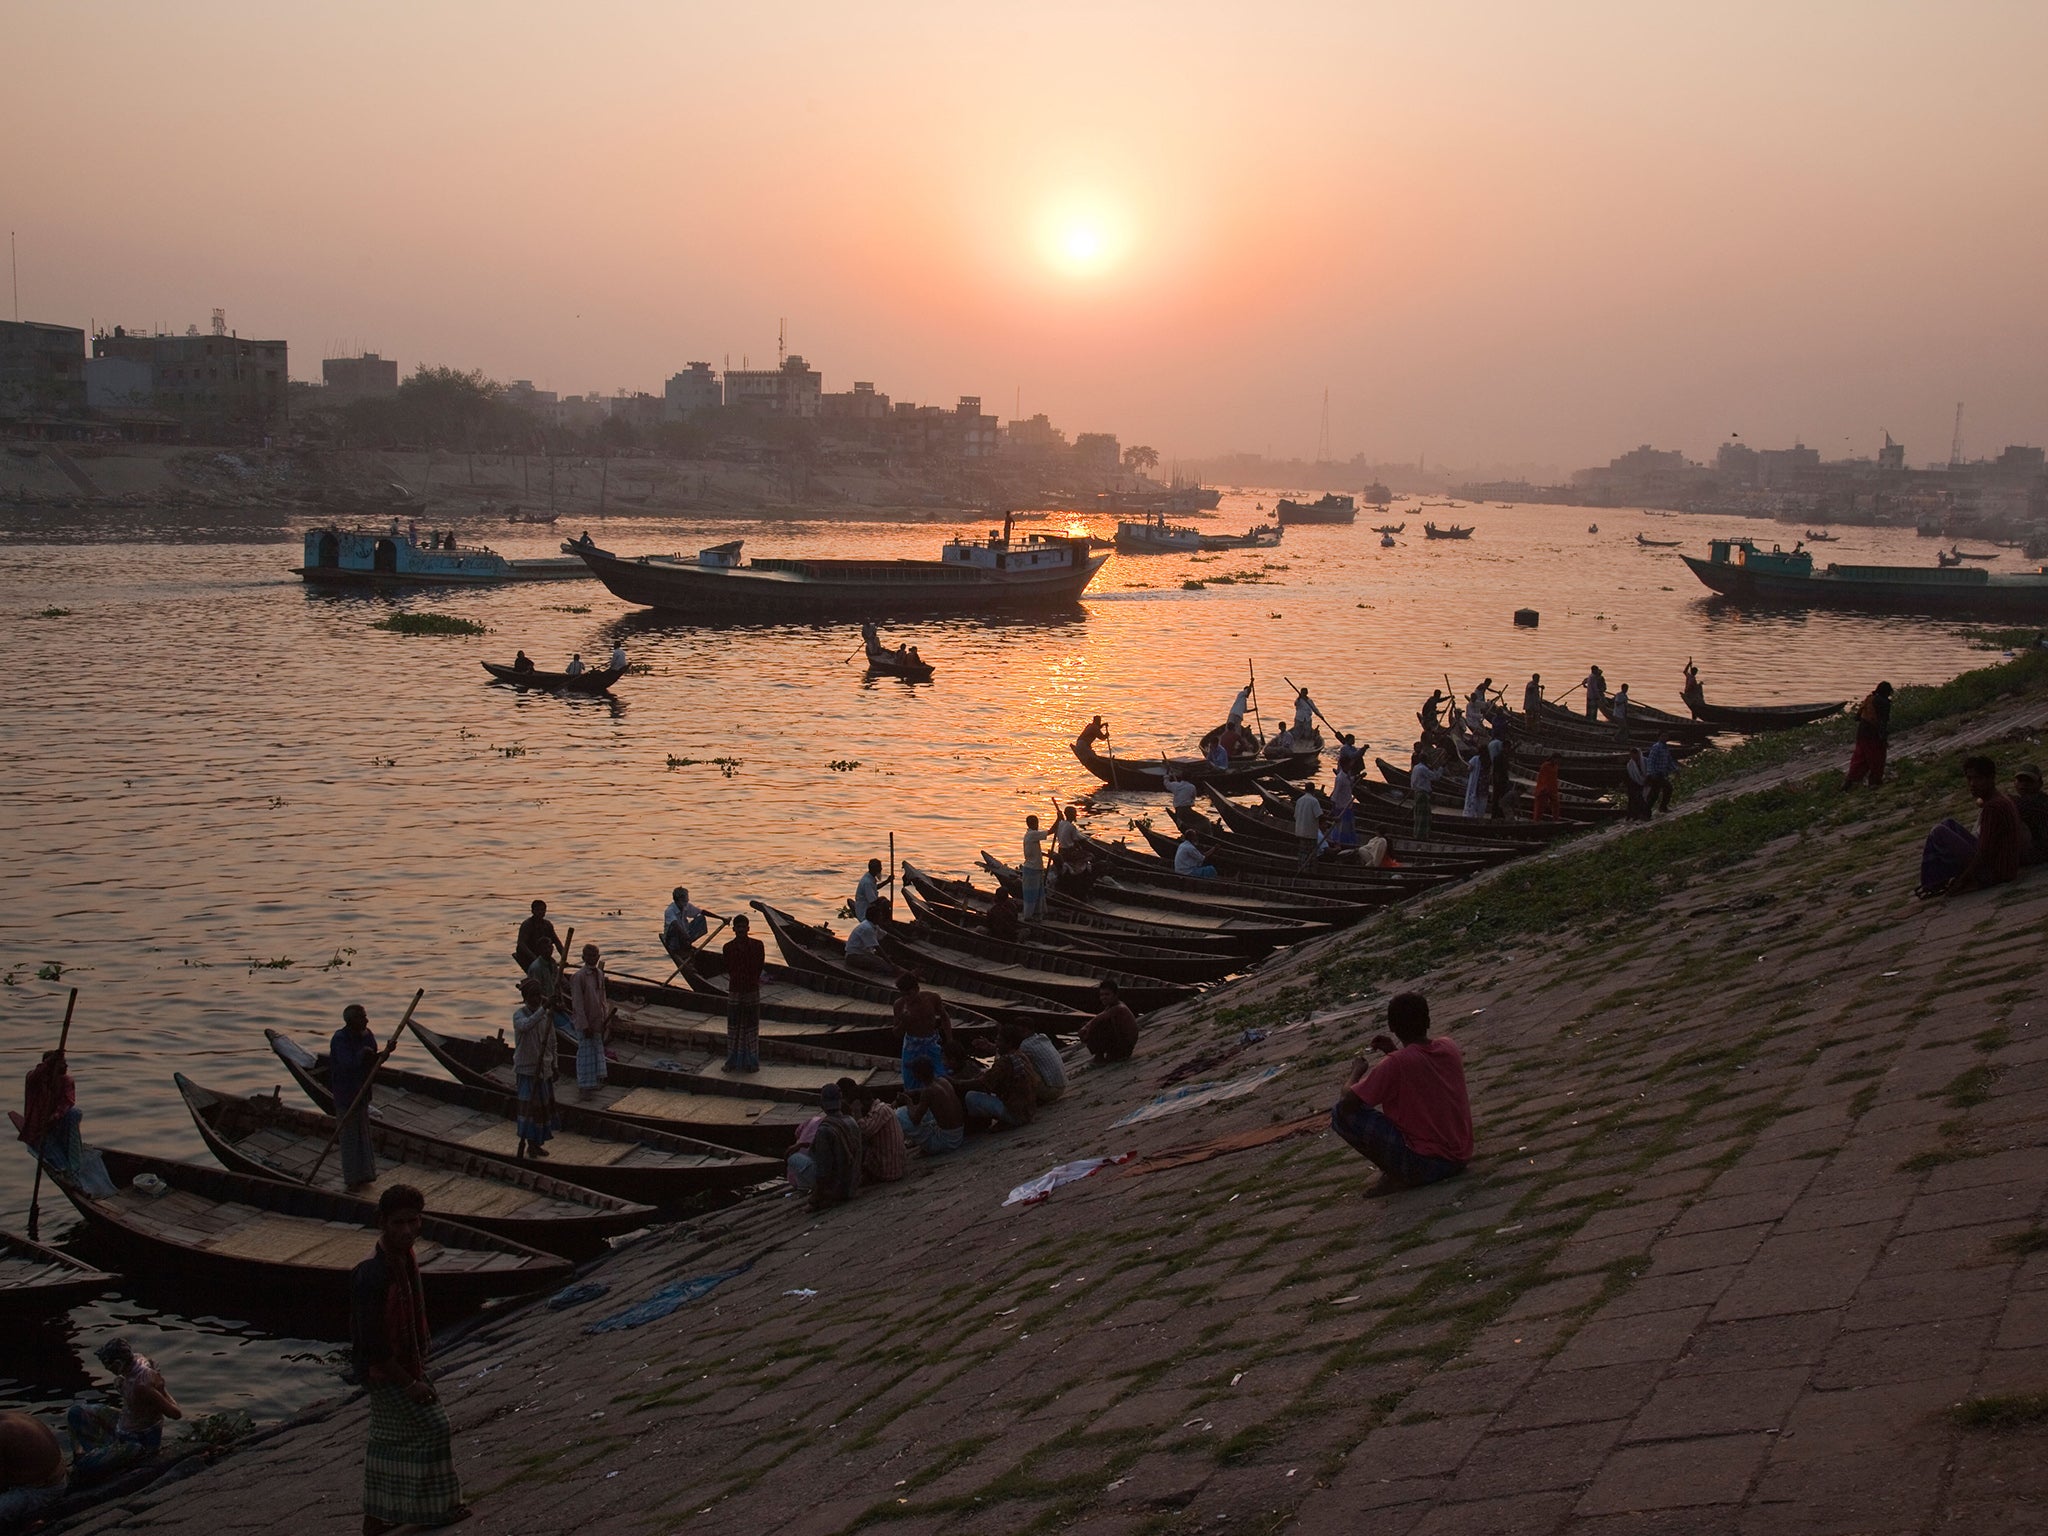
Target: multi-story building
[(980, 434), (1034, 438), (693, 392), (794, 389), (358, 378), (42, 369), (580, 413), (861, 403), (541, 402), (1097, 451), (639, 408), (215, 383), (1784, 469)]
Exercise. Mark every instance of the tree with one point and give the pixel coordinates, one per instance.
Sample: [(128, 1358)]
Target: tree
[(1138, 458)]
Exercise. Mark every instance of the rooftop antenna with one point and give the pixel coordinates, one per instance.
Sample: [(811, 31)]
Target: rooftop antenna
[(781, 342), (1955, 444), (1323, 436), (14, 266)]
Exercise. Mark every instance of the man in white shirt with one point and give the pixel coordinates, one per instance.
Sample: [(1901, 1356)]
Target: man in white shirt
[(1421, 780), (1304, 713), (1066, 833), (618, 661), (683, 923), (1190, 860), (1308, 824), (870, 887), (575, 665), (1044, 1058), (1239, 704), (864, 943), (1183, 792)]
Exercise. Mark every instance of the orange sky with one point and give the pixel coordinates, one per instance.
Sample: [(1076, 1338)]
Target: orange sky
[(1496, 232)]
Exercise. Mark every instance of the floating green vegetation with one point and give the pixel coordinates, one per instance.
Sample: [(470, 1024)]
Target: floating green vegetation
[(2012, 1410), (639, 669), (52, 970), (725, 765), (282, 963), (54, 613), (429, 624), (342, 957), (566, 608), (843, 764), (1191, 585), (514, 750)]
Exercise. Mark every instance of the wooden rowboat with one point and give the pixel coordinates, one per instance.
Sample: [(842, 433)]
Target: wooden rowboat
[(642, 1057), (36, 1281), (965, 925), (1760, 717), (1062, 976), (1079, 923), (764, 1126), (238, 1234), (601, 1152), (264, 1136), (1140, 774), (863, 1006), (593, 680)]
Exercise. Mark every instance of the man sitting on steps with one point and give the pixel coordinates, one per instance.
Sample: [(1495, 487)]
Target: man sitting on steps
[(1409, 1116)]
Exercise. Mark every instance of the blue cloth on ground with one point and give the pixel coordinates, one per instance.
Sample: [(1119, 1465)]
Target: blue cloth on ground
[(668, 1299)]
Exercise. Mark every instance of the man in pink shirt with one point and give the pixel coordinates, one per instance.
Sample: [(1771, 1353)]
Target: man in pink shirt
[(1409, 1116)]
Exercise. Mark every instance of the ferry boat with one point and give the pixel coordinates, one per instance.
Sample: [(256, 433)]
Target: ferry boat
[(1156, 536), (1331, 509), (1377, 495), (998, 574), (360, 557), (1740, 571)]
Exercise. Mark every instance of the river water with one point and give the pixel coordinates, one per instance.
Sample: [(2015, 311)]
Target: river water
[(231, 803)]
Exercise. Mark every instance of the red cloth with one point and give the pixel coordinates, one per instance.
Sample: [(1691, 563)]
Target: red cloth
[(405, 1315), (1421, 1088), (49, 1096), (743, 961), (2002, 841)]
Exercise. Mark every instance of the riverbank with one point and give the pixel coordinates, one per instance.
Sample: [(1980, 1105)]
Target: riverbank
[(1757, 1208)]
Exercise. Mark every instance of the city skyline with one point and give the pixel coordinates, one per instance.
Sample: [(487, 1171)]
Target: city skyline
[(1492, 239)]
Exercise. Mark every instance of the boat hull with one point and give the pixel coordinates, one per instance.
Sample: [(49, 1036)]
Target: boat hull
[(1959, 593), (851, 589)]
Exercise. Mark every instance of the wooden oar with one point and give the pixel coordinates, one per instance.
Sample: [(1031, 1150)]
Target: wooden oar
[(43, 1142), (363, 1092), (1252, 676)]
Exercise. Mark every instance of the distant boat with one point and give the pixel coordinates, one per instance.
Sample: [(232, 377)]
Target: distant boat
[(1431, 531), (897, 661), (544, 519), (589, 680), (1386, 541), (1391, 527), (1331, 509), (358, 557), (1970, 554), (1820, 538), (1377, 495), (1658, 543), (1265, 536), (1592, 528)]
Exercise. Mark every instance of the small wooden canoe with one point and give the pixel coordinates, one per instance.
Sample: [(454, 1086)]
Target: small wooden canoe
[(1150, 773), (264, 1136), (247, 1236), (663, 1058), (1076, 923), (36, 1281), (963, 928), (766, 1127), (837, 1016), (1761, 717), (601, 1152), (591, 680)]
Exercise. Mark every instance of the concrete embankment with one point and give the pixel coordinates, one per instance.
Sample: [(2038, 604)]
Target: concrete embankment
[(1754, 1242)]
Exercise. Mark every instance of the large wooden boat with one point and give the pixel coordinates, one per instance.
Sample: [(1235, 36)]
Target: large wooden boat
[(763, 1126), (998, 574), (1332, 508), (36, 1281), (630, 1160), (820, 951), (357, 557), (1309, 904), (643, 1056), (1156, 536), (591, 680), (1273, 824), (957, 905), (264, 1136), (961, 941), (1758, 717), (1741, 572), (1142, 774), (240, 1235), (810, 1009)]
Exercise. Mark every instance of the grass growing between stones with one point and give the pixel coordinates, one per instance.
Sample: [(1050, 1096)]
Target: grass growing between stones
[(2013, 1410)]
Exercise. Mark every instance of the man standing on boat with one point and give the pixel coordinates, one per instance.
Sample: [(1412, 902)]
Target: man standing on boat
[(1239, 705), (591, 1008), (535, 1063), (1421, 780), (1304, 715), (537, 938), (409, 1469), (351, 1056), (1532, 694), (1033, 870), (1596, 692), (744, 958), (618, 661)]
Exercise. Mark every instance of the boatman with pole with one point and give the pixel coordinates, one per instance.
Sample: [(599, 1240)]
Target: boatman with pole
[(351, 1056)]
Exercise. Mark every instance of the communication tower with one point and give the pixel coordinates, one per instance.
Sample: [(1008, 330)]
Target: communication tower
[(220, 322), (1955, 444)]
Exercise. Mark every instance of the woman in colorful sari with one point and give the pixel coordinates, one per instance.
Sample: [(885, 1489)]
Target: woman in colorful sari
[(409, 1471)]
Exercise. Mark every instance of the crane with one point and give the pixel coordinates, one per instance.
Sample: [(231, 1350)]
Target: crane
[(1955, 443)]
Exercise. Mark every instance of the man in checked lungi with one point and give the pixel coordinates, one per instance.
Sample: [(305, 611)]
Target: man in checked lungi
[(409, 1471), (1410, 1115)]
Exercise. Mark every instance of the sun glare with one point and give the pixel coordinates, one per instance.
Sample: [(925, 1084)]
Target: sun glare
[(1082, 242), (1083, 245)]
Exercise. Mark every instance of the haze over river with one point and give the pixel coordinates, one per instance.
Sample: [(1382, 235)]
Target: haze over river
[(231, 803)]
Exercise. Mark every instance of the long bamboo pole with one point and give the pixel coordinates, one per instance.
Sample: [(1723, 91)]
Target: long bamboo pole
[(43, 1143), (363, 1092)]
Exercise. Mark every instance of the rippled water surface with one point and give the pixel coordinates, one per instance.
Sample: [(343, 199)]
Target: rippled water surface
[(230, 803)]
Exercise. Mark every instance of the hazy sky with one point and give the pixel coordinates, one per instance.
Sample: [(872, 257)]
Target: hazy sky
[(1494, 231)]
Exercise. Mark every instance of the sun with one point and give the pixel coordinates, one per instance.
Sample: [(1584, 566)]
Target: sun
[(1082, 239)]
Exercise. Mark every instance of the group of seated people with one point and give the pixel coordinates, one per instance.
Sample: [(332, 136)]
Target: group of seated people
[(2012, 832), (864, 1136)]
